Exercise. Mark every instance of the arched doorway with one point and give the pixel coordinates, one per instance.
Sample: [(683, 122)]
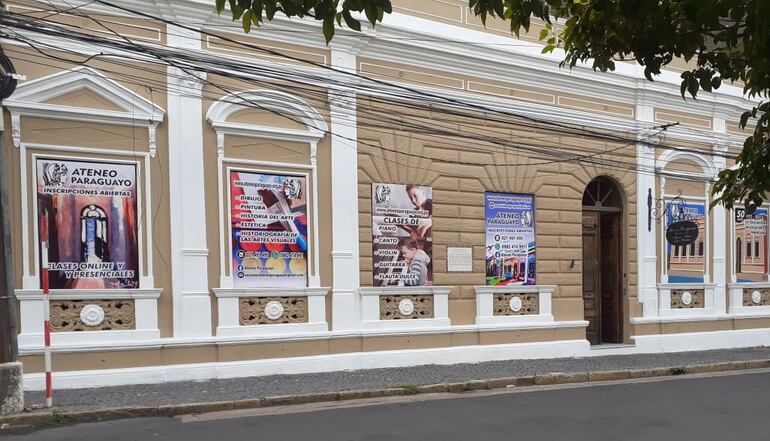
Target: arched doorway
[(603, 259)]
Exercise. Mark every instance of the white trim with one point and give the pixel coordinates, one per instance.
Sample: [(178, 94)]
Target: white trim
[(145, 316), (644, 344), (271, 100), (664, 302), (144, 203), (226, 246), (191, 300), (29, 99), (89, 294), (735, 305), (290, 336), (404, 290), (225, 293), (282, 103), (311, 364), (485, 304), (343, 113), (228, 307), (370, 307), (701, 341)]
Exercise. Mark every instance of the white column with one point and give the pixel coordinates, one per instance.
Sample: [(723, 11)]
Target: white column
[(346, 310), (720, 235), (189, 253), (645, 221)]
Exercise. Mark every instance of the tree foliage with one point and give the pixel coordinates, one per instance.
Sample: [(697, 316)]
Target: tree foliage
[(724, 40)]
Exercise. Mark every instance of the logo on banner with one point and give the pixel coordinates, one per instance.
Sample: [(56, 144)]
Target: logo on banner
[(382, 194), (55, 174), (292, 188)]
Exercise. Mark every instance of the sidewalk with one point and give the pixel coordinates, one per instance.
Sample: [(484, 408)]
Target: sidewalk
[(203, 396)]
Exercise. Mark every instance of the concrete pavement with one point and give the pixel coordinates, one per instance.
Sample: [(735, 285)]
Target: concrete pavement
[(731, 407)]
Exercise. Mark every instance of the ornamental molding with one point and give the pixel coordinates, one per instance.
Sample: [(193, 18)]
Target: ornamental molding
[(497, 62), (224, 293), (406, 306), (271, 100), (404, 290), (274, 310), (89, 294), (92, 315), (389, 39), (186, 81), (515, 289), (31, 99)]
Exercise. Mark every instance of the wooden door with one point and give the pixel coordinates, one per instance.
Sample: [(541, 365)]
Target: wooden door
[(611, 284), (591, 276)]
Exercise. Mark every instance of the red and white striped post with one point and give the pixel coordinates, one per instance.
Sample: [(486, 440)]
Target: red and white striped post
[(46, 308)]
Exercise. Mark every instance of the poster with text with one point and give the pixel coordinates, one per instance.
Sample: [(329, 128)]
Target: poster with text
[(751, 245), (89, 210), (402, 230), (686, 262), (269, 230), (510, 239)]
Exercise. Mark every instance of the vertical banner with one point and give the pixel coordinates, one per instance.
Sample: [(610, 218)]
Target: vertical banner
[(91, 212), (751, 245), (685, 241), (402, 230), (510, 239), (269, 230)]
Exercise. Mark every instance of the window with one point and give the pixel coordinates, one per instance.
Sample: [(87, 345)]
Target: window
[(756, 248), (676, 250), (700, 249), (748, 249), (692, 249)]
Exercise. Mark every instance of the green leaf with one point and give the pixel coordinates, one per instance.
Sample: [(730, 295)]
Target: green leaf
[(328, 28), (350, 21), (246, 21)]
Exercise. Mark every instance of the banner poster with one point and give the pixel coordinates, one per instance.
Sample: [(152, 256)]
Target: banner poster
[(751, 245), (402, 230), (89, 209), (686, 262), (269, 230), (510, 239)]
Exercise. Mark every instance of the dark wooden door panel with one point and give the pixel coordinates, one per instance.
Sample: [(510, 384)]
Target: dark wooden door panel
[(591, 276), (611, 278)]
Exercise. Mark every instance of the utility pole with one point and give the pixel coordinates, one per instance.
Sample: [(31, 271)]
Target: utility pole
[(11, 392)]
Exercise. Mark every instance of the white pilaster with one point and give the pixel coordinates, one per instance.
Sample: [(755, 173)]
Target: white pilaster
[(189, 253), (645, 218), (719, 233), (346, 310)]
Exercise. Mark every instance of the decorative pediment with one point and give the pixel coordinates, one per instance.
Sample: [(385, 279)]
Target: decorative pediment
[(305, 123), (83, 94)]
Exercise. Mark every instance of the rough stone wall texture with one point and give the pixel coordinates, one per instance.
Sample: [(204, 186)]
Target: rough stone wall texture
[(461, 171), (11, 393)]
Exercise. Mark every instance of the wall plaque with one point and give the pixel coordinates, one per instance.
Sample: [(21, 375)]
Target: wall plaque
[(459, 259)]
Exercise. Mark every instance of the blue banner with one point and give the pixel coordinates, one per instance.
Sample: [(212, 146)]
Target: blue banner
[(510, 239)]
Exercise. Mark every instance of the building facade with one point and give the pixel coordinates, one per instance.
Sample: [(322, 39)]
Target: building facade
[(430, 191)]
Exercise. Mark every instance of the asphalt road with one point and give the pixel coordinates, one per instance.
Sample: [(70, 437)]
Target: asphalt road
[(734, 407)]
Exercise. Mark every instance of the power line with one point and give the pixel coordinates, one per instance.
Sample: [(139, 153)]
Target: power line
[(574, 131), (572, 159)]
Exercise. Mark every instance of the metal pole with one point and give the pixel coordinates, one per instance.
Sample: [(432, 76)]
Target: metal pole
[(9, 351), (46, 308)]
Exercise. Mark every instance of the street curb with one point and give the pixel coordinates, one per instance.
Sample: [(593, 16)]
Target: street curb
[(60, 417)]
